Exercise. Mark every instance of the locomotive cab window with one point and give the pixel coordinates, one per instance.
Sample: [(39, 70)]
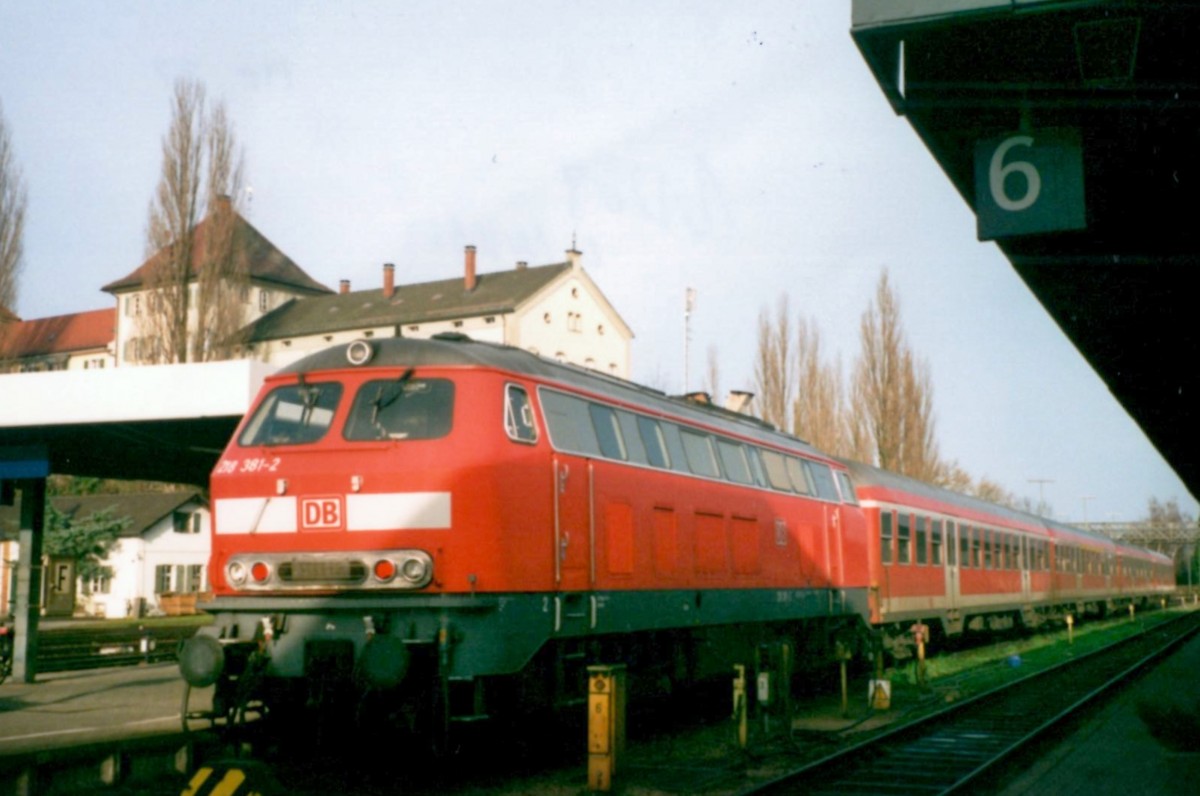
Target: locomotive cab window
[(518, 415), (295, 414), (401, 409)]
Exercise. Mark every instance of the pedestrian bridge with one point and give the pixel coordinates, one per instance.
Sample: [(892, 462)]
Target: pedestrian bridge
[(161, 422)]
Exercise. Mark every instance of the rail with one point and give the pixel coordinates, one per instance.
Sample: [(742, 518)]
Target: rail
[(961, 746)]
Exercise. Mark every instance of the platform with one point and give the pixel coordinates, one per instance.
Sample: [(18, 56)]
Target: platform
[(1118, 752), (75, 708)]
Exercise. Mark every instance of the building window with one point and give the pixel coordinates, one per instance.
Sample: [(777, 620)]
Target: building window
[(264, 300), (574, 322), (162, 578)]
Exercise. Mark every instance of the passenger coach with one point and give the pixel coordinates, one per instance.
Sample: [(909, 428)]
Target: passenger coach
[(955, 562)]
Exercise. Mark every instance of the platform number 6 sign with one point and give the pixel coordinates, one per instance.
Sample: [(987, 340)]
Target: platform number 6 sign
[(1028, 183)]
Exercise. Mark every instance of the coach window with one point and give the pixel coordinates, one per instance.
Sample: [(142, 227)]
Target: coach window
[(569, 423), (294, 414), (608, 433), (653, 441), (989, 560), (977, 548), (733, 460), (885, 537), (518, 415), (904, 539), (935, 539), (964, 545), (922, 542)]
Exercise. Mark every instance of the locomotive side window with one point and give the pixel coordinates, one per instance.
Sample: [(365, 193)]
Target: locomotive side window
[(847, 488), (518, 415), (634, 448), (822, 478), (675, 448), (608, 433), (733, 457), (799, 476), (698, 450), (777, 473), (653, 441), (756, 466), (569, 423), (403, 408), (295, 414)]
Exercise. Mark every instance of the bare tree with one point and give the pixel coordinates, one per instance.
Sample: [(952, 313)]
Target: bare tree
[(818, 409), (892, 395), (201, 171), (13, 198), (774, 367)]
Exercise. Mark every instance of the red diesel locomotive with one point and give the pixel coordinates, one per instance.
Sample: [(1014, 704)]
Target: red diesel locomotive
[(455, 527), (954, 562)]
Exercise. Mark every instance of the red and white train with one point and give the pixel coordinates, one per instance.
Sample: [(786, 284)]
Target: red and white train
[(955, 562), (453, 528)]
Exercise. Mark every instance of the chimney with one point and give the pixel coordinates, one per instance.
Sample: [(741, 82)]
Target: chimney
[(389, 280), (469, 277), (522, 265), (344, 286), (738, 401)]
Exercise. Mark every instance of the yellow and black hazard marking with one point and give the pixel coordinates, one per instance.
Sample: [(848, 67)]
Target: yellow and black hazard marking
[(231, 779)]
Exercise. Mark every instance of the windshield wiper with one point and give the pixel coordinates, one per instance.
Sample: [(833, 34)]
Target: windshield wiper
[(379, 404)]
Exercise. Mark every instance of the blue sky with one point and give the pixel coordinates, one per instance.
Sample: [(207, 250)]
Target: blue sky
[(743, 150)]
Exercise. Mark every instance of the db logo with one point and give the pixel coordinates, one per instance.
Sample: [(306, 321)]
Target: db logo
[(320, 513)]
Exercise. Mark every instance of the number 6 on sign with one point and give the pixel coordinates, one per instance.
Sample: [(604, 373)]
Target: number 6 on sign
[(1028, 183), (998, 172)]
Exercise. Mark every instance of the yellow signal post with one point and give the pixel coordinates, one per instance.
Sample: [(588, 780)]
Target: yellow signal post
[(606, 723), (739, 705)]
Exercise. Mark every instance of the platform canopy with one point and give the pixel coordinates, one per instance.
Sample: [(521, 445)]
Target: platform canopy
[(1073, 130)]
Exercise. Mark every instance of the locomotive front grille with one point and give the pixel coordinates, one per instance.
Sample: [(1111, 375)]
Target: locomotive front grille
[(330, 571)]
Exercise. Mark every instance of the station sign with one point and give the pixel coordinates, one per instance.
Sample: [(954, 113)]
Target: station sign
[(1029, 182)]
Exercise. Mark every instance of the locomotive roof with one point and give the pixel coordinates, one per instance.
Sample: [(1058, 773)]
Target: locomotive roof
[(456, 350)]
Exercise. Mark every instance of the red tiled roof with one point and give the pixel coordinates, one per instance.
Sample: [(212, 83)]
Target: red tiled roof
[(61, 334)]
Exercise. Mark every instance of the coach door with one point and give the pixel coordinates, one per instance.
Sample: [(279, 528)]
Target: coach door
[(953, 588), (1026, 554), (574, 540)]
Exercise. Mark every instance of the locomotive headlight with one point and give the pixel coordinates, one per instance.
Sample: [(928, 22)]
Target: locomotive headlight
[(415, 570), (359, 352), (236, 573)]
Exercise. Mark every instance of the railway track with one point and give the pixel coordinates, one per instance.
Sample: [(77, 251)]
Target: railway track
[(967, 746)]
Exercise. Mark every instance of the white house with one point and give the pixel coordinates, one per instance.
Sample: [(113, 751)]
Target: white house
[(554, 310), (163, 550)]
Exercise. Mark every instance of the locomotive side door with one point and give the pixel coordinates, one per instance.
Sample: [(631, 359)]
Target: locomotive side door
[(574, 524)]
